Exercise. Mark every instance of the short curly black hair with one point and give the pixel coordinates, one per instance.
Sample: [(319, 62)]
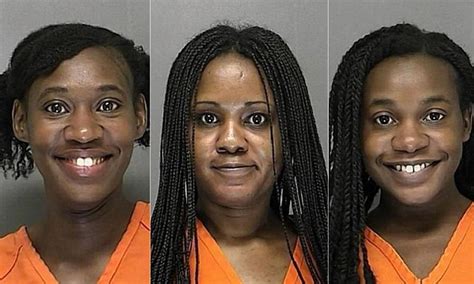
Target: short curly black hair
[(39, 54)]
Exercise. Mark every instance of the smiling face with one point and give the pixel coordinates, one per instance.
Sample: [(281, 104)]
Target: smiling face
[(413, 128), (233, 148), (81, 122)]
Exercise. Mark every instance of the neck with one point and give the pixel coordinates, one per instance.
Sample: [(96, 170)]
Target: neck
[(438, 214), (226, 223), (72, 235)]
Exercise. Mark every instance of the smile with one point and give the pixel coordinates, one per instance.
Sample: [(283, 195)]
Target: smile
[(92, 166), (231, 169), (410, 169), (234, 170), (87, 162)]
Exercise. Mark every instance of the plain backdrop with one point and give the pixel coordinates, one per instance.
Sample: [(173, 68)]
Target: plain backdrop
[(21, 201), (302, 24)]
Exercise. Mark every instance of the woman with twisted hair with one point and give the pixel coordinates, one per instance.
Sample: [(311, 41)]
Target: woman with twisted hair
[(242, 195), (400, 123), (73, 100)]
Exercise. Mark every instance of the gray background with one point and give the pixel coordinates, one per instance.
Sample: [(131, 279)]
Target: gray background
[(21, 201), (302, 24)]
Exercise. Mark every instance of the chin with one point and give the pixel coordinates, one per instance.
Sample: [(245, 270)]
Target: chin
[(415, 197), (84, 196), (235, 197)]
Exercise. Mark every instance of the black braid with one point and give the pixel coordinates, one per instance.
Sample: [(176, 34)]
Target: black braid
[(301, 183), (352, 192), (39, 54)]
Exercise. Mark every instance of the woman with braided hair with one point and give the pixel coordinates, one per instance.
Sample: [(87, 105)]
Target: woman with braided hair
[(73, 100), (239, 148), (400, 123)]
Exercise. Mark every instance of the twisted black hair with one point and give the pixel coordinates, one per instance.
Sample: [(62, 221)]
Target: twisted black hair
[(301, 183), (39, 54), (351, 189)]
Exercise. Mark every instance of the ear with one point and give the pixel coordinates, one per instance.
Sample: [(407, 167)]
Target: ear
[(19, 121), (141, 115), (467, 119)]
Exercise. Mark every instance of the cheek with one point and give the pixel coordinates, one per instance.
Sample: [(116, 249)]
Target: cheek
[(43, 136), (373, 145), (122, 131), (449, 142), (262, 149), (204, 146)]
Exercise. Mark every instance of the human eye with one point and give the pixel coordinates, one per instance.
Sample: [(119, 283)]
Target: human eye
[(207, 119), (108, 106), (56, 108), (256, 119), (433, 116), (384, 120)]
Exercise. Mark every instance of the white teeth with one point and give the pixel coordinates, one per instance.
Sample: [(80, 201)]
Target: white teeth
[(87, 162), (412, 168)]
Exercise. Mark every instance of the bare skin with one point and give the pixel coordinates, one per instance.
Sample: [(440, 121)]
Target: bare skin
[(419, 235), (77, 246), (250, 238)]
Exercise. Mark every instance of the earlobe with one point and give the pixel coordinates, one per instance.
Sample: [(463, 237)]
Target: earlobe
[(141, 115), (467, 117), (19, 121)]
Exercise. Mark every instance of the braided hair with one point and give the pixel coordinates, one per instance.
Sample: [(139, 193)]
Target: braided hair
[(302, 181), (351, 189), (39, 54)]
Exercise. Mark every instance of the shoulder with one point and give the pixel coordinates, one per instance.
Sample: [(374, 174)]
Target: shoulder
[(10, 246)]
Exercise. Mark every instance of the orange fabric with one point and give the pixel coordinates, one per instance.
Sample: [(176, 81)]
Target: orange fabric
[(129, 263), (456, 265), (215, 268)]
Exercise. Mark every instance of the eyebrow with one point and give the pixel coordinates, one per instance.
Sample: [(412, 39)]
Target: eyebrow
[(52, 90), (427, 101), (63, 90), (217, 104), (381, 102), (435, 99)]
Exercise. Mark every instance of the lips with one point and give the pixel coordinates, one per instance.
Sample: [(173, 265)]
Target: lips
[(83, 163), (411, 167), (234, 169), (87, 162), (412, 173)]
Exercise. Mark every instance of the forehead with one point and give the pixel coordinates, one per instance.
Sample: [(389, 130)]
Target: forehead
[(91, 68), (231, 78), (410, 79)]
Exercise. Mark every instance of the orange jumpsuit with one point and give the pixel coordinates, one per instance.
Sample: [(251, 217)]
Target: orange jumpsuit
[(129, 263), (456, 265), (215, 268)]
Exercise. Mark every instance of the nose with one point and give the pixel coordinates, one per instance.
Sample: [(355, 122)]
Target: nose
[(231, 139), (410, 137), (83, 127)]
